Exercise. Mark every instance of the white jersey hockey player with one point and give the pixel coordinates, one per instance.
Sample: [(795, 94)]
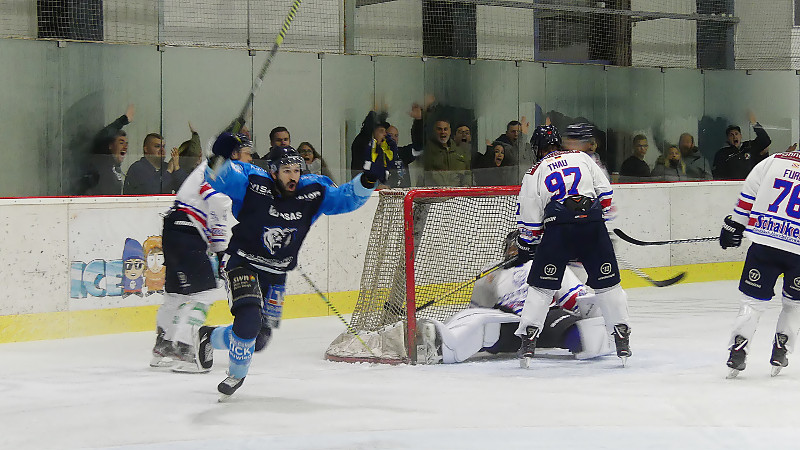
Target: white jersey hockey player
[(768, 212), (563, 203), (198, 222), (573, 321)]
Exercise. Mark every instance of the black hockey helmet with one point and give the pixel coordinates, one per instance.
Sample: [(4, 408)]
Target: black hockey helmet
[(543, 137), (227, 143), (279, 156)]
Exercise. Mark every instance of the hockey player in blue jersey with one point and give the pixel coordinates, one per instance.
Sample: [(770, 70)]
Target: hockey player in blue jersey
[(275, 209)]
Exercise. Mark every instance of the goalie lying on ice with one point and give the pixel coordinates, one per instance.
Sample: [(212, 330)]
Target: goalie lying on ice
[(573, 321)]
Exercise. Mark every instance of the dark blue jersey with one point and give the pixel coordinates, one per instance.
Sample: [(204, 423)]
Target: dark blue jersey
[(272, 228)]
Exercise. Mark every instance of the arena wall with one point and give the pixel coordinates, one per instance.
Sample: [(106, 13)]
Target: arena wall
[(64, 256)]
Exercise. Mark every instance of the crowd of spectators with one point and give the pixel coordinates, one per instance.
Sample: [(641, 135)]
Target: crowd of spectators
[(442, 151)]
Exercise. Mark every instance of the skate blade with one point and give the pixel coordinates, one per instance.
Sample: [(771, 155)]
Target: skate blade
[(624, 360), (223, 398), (775, 371), (189, 368), (160, 362), (733, 374), (525, 363)]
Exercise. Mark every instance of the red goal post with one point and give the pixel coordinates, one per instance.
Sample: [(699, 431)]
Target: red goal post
[(425, 247)]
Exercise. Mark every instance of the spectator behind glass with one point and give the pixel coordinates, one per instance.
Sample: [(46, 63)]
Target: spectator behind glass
[(516, 136), (278, 137), (671, 168), (103, 173), (314, 161), (635, 168), (494, 168), (737, 159), (592, 151), (446, 164), (406, 155), (697, 167), (150, 174)]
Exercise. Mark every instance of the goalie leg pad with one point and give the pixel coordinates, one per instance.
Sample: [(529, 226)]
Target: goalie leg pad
[(190, 317), (750, 311), (789, 321), (594, 338), (473, 329)]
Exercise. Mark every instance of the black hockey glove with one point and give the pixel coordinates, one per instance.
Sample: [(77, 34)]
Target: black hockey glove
[(525, 252), (731, 234)]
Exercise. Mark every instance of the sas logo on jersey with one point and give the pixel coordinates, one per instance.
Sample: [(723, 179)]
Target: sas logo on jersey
[(277, 238), (310, 196), (285, 215), (605, 269), (754, 275)]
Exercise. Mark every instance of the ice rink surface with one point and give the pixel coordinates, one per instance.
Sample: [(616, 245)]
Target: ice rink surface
[(99, 392)]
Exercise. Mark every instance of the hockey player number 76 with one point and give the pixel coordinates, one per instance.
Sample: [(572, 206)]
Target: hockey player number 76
[(793, 207), (555, 182)]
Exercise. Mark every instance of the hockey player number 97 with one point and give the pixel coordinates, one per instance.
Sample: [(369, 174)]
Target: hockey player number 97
[(555, 182), (793, 207)]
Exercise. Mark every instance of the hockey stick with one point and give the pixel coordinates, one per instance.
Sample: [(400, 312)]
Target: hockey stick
[(335, 311), (633, 241), (239, 122), (462, 286), (658, 283)]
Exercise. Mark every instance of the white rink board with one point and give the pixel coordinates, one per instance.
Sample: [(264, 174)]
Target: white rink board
[(41, 239)]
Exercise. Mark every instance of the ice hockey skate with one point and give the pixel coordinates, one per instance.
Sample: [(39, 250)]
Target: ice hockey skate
[(163, 353), (622, 340), (228, 387), (778, 358), (528, 347), (429, 343), (736, 361)]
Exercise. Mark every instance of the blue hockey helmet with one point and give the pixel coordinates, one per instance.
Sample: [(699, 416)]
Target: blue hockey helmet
[(227, 143), (279, 156), (545, 136)]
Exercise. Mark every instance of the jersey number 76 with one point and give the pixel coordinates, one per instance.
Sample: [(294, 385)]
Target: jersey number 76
[(555, 182), (788, 189)]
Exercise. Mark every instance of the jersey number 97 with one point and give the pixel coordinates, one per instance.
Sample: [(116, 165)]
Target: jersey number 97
[(556, 184)]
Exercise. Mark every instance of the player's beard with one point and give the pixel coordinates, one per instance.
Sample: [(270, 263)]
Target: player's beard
[(285, 192)]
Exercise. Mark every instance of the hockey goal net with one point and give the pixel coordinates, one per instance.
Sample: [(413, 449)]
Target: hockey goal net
[(425, 249)]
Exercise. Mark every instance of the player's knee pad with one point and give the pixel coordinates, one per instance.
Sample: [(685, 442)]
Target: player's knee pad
[(613, 303), (240, 352), (247, 321), (750, 310), (594, 338), (789, 321), (272, 310), (243, 287), (534, 312)]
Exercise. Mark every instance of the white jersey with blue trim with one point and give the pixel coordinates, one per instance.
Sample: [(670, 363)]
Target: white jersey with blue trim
[(769, 204), (209, 210), (555, 177), (509, 288)]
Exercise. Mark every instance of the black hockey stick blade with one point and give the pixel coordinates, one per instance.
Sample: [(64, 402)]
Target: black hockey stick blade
[(634, 241), (669, 282)]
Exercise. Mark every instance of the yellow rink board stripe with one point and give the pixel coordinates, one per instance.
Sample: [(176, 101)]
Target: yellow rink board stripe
[(65, 324)]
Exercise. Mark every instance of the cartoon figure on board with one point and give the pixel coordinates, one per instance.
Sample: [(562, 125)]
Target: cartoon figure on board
[(133, 268), (156, 272)]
